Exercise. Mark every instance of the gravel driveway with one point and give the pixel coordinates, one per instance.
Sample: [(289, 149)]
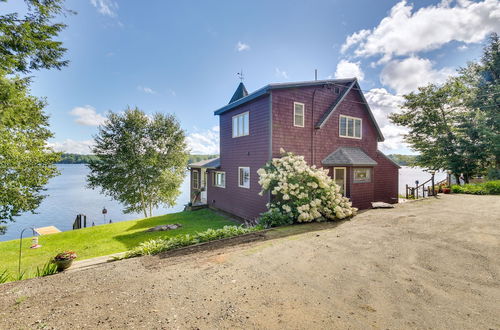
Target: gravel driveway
[(425, 264)]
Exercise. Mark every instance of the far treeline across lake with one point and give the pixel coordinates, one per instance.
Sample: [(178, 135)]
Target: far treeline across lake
[(85, 159), (402, 160)]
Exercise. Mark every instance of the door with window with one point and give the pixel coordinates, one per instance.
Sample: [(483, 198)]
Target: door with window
[(339, 176)]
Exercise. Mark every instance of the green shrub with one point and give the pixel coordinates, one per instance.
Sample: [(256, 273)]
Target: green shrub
[(156, 246), (486, 188), (274, 218), (49, 268)]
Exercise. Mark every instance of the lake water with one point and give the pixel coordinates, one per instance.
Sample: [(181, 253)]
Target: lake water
[(68, 196)]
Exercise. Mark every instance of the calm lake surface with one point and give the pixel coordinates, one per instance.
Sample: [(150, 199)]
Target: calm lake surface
[(68, 196)]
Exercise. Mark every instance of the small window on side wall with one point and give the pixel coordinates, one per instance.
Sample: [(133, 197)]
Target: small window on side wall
[(219, 179), (362, 175), (298, 114), (241, 125), (244, 177)]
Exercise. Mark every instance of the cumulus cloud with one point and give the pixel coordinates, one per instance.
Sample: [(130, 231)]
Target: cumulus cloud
[(240, 46), (406, 75), (280, 73), (146, 90), (346, 69), (406, 32), (382, 103), (87, 116), (74, 147), (105, 7), (204, 142)]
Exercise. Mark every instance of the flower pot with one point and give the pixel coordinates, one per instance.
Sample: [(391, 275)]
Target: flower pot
[(446, 190), (63, 264)]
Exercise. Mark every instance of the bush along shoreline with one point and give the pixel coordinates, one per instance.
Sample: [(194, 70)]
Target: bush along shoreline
[(485, 188)]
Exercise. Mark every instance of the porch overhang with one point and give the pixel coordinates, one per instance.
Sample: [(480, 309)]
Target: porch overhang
[(213, 163), (348, 156)]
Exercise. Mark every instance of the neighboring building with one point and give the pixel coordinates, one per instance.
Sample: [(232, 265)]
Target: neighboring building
[(328, 122)]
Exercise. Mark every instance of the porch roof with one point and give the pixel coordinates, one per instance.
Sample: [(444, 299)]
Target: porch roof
[(207, 163), (348, 156)]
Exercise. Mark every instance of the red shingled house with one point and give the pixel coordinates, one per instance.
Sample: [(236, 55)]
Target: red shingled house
[(327, 121)]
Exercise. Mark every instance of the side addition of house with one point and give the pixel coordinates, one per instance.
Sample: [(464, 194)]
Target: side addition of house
[(327, 121)]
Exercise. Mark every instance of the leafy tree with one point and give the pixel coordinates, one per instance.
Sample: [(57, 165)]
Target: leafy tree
[(26, 164), (28, 43), (450, 125), (141, 161)]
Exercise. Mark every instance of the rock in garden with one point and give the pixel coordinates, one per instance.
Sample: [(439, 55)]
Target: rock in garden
[(164, 227), (382, 205)]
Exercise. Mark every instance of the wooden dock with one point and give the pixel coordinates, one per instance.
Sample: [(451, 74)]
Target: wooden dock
[(47, 230)]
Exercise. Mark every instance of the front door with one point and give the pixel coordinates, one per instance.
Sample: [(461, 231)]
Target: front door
[(204, 186), (339, 176)]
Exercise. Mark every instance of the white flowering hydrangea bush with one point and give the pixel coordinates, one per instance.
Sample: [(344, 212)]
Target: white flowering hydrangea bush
[(301, 193)]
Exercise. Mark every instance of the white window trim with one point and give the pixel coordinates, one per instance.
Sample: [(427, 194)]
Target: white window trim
[(303, 114), (370, 173), (239, 172), (232, 124), (214, 183), (345, 176), (360, 128), (195, 183)]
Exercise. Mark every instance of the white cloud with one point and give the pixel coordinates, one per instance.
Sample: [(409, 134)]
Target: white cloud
[(87, 116), (382, 103), (406, 32), (240, 46), (73, 147), (462, 48), (346, 69), (204, 142), (105, 7), (406, 75), (146, 90), (280, 73)]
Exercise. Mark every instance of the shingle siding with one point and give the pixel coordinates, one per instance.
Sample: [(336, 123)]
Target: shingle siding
[(245, 151)]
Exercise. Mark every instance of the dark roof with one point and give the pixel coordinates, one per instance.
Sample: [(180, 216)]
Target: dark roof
[(265, 90), (349, 156), (207, 163), (354, 85), (240, 93)]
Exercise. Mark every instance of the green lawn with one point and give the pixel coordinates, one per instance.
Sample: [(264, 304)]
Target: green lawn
[(104, 239)]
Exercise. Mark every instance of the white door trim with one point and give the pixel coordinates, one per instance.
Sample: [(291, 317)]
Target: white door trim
[(345, 176)]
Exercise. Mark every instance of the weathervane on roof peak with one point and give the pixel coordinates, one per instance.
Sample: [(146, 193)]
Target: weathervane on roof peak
[(240, 75)]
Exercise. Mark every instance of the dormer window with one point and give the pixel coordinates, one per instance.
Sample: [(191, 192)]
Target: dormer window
[(350, 127), (241, 125), (298, 114)]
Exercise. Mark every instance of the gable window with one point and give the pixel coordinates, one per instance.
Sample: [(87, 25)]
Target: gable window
[(350, 127), (219, 179), (298, 114), (362, 175), (196, 179), (240, 125), (244, 177)]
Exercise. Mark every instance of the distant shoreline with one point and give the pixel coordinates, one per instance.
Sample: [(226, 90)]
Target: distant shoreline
[(85, 159)]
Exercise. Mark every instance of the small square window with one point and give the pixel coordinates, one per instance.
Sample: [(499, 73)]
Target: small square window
[(219, 179), (362, 175)]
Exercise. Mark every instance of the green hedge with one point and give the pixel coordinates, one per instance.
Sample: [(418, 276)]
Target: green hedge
[(486, 188), (156, 246)]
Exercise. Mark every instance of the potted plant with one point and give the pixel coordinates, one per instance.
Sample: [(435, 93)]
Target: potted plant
[(446, 190), (64, 259)]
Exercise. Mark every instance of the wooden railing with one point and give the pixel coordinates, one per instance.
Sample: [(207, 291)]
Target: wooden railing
[(420, 190)]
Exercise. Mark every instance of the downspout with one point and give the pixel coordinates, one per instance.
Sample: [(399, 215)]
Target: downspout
[(313, 129), (270, 134)]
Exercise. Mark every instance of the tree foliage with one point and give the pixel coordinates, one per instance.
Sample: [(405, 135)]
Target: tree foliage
[(28, 43), (455, 126), (141, 161), (26, 164)]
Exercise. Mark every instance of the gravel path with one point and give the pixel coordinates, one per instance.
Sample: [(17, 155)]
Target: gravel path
[(425, 264)]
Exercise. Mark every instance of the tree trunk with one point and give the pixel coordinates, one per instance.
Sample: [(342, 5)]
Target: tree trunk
[(457, 178)]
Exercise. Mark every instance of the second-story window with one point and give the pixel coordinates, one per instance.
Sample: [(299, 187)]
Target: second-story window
[(298, 114), (241, 125), (244, 177), (350, 127)]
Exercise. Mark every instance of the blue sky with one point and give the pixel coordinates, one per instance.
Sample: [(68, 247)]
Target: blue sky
[(182, 57)]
